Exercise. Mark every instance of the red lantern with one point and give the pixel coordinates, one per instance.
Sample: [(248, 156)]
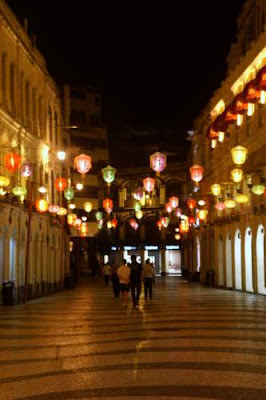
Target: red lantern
[(159, 224), (184, 226), (133, 224), (108, 205), (196, 173), (41, 205), (191, 203), (174, 201), (158, 162), (168, 208), (82, 163), (114, 223), (191, 221), (149, 184), (12, 161), (60, 184)]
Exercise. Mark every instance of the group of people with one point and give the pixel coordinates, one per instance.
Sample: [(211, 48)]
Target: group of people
[(130, 277)]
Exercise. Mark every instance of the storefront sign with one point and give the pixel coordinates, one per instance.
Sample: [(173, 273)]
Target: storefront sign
[(151, 247), (172, 247), (113, 248), (130, 247)]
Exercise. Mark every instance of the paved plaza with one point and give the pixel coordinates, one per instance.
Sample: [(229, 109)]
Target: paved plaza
[(189, 342)]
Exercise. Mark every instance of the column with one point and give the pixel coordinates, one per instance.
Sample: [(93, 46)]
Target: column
[(162, 262)]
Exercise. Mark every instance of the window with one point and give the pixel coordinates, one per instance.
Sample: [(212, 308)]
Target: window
[(77, 94), (56, 128), (3, 80), (50, 124), (27, 100), (260, 117), (12, 87), (34, 109), (78, 117), (40, 110)]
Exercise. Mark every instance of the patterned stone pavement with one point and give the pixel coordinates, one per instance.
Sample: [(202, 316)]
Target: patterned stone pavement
[(189, 342)]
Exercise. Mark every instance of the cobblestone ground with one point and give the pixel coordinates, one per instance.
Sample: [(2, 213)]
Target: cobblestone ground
[(189, 342)]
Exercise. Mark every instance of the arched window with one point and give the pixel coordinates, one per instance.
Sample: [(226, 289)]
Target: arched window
[(56, 129), (50, 124), (129, 189)]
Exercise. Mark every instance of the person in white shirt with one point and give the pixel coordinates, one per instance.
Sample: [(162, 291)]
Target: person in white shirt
[(106, 273), (123, 273), (148, 274)]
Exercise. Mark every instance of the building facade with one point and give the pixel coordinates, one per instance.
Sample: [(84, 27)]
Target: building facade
[(232, 241), (30, 126)]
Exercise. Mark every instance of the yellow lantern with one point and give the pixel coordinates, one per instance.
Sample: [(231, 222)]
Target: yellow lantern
[(88, 206), (230, 203), (177, 236), (239, 155), (41, 205), (71, 219), (109, 224), (139, 214), (237, 175), (62, 211), (258, 189), (202, 214), (216, 189), (241, 198), (4, 181)]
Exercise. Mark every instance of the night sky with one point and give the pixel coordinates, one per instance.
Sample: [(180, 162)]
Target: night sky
[(157, 65)]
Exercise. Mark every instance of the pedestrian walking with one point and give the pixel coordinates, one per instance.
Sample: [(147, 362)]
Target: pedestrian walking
[(135, 280), (148, 274), (123, 273), (115, 280), (106, 273)]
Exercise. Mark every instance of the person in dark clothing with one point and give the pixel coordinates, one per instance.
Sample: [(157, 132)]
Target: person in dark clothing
[(135, 280), (115, 281)]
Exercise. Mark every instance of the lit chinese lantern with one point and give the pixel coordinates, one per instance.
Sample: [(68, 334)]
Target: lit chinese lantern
[(133, 224), (60, 184), (220, 206), (114, 223), (69, 193), (84, 218), (159, 224), (237, 175), (79, 186), (72, 206), (4, 181), (108, 174), (239, 154), (168, 208), (184, 226), (216, 189), (62, 211), (19, 191), (174, 201), (258, 189), (242, 198), (229, 203), (201, 202), (53, 209), (78, 223), (12, 161), (137, 206), (84, 229), (202, 214), (139, 214), (177, 236), (138, 193), (71, 219), (191, 203), (98, 215), (41, 205), (108, 205), (196, 173), (109, 224), (191, 221), (178, 212), (82, 163), (88, 206), (158, 162), (149, 184), (26, 169), (42, 189), (165, 222)]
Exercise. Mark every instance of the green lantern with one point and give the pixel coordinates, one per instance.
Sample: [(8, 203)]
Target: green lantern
[(108, 174), (19, 191), (258, 189), (69, 193), (99, 215), (137, 206)]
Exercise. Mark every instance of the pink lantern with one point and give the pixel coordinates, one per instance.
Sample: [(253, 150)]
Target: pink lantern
[(26, 169), (78, 223), (168, 208), (53, 209), (133, 224), (196, 173), (149, 184), (82, 163), (178, 212), (174, 201), (220, 206), (138, 193), (158, 162)]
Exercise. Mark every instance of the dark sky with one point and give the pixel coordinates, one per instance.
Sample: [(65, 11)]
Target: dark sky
[(157, 65)]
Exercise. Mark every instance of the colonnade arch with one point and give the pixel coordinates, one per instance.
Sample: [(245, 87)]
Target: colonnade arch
[(229, 275), (238, 260), (220, 261), (248, 261), (260, 256)]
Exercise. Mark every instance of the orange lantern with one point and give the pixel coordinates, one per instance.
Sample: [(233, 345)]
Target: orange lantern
[(108, 205), (191, 203), (12, 161), (82, 163), (149, 184), (184, 226), (196, 173), (158, 162), (71, 219), (114, 223), (168, 207), (174, 201), (41, 205), (159, 225), (60, 184)]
